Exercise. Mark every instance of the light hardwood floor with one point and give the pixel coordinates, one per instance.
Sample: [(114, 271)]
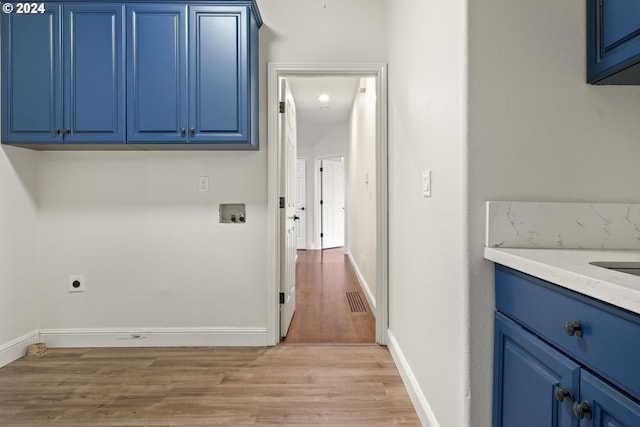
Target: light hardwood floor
[(204, 386), (323, 313)]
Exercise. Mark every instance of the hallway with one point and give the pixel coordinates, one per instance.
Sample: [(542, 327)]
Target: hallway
[(330, 305)]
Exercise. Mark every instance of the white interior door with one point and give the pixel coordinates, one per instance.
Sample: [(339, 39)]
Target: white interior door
[(301, 195), (332, 203), (288, 213)]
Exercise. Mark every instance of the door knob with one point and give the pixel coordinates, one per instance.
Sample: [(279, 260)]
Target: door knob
[(56, 131), (582, 410), (563, 393), (192, 131), (183, 131), (67, 131)]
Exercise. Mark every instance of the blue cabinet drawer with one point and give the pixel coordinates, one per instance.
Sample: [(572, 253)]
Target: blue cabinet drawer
[(610, 341)]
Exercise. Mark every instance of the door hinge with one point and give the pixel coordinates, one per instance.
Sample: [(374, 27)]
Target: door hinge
[(281, 202), (321, 202), (321, 234), (281, 297), (281, 107), (321, 169)]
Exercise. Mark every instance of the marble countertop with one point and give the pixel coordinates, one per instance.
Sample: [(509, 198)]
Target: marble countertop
[(570, 268)]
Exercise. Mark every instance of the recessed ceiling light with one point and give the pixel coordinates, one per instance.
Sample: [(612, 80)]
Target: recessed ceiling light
[(324, 108), (323, 98)]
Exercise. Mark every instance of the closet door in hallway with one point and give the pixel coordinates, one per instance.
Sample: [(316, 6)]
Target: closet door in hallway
[(330, 305)]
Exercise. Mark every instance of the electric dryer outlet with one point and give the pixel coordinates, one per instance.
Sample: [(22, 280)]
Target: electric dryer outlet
[(77, 283)]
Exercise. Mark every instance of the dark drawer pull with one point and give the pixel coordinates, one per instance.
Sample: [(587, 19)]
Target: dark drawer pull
[(573, 328)]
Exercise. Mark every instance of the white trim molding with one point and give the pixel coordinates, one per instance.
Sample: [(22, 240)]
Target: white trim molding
[(275, 73), (424, 411), (371, 299), (15, 349), (154, 337)]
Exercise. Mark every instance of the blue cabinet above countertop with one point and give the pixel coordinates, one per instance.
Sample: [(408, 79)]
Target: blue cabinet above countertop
[(132, 75), (613, 42)]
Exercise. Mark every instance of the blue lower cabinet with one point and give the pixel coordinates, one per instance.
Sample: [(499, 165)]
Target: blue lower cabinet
[(602, 405), (549, 372), (528, 374)]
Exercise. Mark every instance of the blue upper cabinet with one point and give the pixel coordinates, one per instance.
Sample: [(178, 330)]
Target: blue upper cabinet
[(145, 74), (219, 77), (63, 75), (32, 77), (613, 42), (157, 73), (95, 91), (190, 77)]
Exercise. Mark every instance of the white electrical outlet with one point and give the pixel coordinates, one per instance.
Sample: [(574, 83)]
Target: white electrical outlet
[(77, 284), (426, 183), (203, 183)]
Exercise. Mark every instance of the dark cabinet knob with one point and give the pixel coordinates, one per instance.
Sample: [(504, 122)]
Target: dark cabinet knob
[(563, 393), (67, 131), (183, 131), (302, 208), (573, 328), (192, 131), (582, 410), (56, 131), (296, 217)]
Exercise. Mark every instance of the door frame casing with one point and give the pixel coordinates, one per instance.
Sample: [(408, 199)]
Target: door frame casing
[(275, 72)]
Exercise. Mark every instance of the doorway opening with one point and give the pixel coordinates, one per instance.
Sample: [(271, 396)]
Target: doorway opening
[(337, 206)]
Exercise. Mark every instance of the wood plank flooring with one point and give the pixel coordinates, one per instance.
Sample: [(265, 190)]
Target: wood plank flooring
[(205, 386), (323, 314)]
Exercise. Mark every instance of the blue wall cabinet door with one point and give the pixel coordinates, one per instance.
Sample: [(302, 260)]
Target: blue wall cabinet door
[(157, 73), (219, 77), (32, 77), (94, 75), (613, 41), (527, 375)]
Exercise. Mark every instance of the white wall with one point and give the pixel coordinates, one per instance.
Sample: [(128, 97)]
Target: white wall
[(149, 243), (19, 319), (360, 195), (537, 131), (428, 285)]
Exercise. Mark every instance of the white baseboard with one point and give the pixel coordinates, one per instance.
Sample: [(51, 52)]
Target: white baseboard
[(426, 415), (15, 349), (155, 337), (371, 299)]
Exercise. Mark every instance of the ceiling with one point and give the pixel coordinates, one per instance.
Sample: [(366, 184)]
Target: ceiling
[(309, 109)]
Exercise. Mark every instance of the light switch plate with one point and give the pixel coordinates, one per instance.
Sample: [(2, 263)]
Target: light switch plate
[(426, 183), (203, 183)]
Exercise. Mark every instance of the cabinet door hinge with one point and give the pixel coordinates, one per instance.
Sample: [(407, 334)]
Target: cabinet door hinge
[(321, 169), (321, 202), (321, 234), (281, 202), (281, 107), (281, 297)]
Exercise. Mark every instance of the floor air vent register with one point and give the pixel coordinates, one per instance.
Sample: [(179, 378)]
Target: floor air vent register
[(355, 302)]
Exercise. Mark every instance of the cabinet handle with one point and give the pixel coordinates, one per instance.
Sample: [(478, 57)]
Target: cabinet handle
[(192, 131), (183, 131), (563, 393), (67, 131), (573, 328), (56, 131), (582, 410)]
